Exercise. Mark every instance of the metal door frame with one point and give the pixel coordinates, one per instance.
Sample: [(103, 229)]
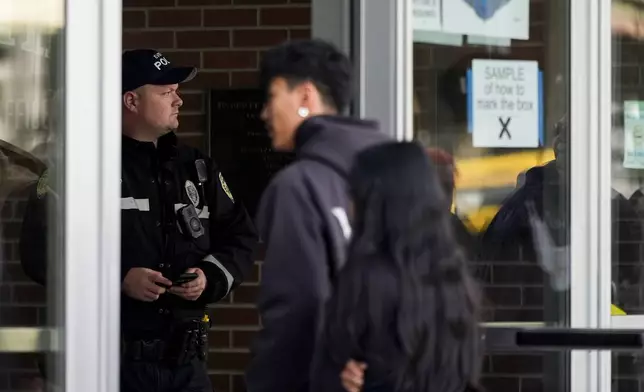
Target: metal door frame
[(588, 298), (92, 282), (382, 48)]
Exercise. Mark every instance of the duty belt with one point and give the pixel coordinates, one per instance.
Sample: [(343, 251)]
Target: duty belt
[(189, 340)]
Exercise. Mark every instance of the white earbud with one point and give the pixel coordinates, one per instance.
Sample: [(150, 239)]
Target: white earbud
[(303, 112)]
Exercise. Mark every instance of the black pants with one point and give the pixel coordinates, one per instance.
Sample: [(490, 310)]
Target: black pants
[(158, 377)]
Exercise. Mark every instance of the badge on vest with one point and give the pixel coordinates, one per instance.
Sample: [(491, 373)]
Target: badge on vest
[(191, 191), (224, 186)]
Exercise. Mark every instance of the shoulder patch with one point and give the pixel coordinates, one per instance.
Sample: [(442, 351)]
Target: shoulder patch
[(224, 186), (43, 185)]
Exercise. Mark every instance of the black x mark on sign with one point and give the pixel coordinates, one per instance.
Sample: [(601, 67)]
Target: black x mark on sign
[(504, 128)]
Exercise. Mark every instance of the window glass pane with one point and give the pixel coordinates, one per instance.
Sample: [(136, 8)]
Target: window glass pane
[(31, 130), (491, 92), (627, 170), (627, 158)]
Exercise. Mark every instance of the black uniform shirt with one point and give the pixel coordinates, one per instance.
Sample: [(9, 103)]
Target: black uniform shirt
[(156, 183)]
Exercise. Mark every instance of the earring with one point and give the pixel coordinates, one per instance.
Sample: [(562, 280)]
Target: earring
[(303, 112)]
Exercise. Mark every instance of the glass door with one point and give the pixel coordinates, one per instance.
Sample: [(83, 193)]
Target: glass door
[(31, 128), (491, 92), (509, 99), (59, 163), (622, 176)]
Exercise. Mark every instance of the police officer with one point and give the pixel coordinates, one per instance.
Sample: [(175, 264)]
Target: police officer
[(178, 217), (185, 241)]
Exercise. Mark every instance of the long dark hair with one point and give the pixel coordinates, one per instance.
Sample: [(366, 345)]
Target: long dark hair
[(402, 229)]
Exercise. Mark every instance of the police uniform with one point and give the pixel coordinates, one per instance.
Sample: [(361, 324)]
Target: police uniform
[(158, 184), (177, 213)]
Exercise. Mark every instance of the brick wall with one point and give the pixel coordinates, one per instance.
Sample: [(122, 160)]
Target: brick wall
[(225, 39)]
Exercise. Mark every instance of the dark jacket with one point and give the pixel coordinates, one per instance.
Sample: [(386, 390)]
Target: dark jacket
[(544, 189), (509, 239), (302, 219), (365, 331), (155, 184), (377, 345), (350, 333), (42, 229), (34, 244)]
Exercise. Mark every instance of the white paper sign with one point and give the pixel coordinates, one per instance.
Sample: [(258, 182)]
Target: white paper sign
[(488, 18), (634, 134), (505, 105), (427, 15)]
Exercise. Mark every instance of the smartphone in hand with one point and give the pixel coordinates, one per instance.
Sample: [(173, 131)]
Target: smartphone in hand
[(184, 278)]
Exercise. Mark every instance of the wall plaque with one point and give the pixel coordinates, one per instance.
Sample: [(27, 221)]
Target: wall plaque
[(240, 144)]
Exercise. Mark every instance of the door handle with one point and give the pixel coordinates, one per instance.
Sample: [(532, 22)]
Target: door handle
[(557, 339)]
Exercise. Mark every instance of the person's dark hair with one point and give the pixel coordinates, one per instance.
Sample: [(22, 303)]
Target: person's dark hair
[(402, 228), (314, 60)]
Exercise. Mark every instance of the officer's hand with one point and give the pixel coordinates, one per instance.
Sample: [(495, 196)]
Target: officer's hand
[(193, 289), (143, 284)]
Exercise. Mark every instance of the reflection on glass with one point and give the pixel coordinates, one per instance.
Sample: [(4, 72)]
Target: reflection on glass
[(31, 130), (627, 165), (492, 94), (627, 18), (511, 185)]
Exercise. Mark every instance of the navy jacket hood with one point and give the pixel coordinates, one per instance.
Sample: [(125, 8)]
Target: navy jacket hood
[(335, 140)]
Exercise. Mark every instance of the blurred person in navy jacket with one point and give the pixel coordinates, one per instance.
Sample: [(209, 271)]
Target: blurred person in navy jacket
[(302, 217)]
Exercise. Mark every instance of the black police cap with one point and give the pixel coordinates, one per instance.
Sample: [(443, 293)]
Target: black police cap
[(148, 66)]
